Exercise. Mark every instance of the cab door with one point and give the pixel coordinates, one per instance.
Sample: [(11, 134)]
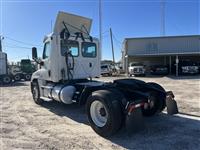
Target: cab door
[(45, 66), (90, 66)]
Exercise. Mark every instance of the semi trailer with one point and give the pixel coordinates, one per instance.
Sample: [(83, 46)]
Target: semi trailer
[(71, 60), (5, 77)]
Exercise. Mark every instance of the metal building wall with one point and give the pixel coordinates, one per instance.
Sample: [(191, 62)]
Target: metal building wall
[(163, 45)]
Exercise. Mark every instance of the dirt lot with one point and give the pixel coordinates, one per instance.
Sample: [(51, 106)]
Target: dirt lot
[(25, 125)]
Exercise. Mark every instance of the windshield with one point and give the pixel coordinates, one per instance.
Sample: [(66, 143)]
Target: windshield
[(188, 63), (26, 61), (89, 49), (69, 45), (104, 67)]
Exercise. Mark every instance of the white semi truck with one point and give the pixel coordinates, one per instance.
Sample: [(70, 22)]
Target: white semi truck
[(70, 60)]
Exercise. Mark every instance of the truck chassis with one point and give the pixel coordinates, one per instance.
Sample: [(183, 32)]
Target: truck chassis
[(108, 104)]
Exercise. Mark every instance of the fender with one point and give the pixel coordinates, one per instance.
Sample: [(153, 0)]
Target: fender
[(39, 75)]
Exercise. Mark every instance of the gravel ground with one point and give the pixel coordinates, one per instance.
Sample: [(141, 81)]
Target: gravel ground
[(25, 125)]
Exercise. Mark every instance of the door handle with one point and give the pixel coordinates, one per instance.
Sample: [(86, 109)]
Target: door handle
[(90, 64)]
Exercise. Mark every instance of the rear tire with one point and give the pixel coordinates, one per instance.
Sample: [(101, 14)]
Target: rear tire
[(36, 93), (17, 77), (27, 77), (162, 95), (153, 105), (104, 112), (6, 79), (156, 101)]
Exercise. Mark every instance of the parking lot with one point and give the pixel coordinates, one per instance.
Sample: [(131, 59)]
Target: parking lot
[(25, 125)]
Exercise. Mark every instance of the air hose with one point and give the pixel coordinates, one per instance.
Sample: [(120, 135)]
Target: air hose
[(70, 68)]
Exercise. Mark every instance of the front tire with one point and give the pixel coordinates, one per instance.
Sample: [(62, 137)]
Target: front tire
[(36, 93), (104, 112)]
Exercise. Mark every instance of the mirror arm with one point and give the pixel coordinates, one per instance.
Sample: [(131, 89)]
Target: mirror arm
[(38, 61)]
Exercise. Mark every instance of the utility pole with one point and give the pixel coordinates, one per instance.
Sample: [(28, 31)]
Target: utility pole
[(51, 26), (111, 38), (1, 38), (162, 18), (100, 24)]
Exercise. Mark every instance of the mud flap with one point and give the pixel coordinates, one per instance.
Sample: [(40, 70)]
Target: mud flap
[(171, 104), (134, 121)]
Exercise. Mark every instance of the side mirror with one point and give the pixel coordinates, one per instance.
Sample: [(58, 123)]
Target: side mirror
[(34, 53)]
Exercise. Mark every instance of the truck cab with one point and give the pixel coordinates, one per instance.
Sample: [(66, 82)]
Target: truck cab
[(73, 57)]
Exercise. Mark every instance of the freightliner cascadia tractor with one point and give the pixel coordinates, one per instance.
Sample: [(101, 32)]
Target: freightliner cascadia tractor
[(71, 60)]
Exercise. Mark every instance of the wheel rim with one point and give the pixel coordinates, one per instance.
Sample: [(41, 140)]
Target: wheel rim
[(35, 93), (17, 77), (98, 113), (28, 77), (151, 103)]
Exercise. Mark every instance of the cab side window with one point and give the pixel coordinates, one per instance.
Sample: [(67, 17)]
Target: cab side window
[(47, 50)]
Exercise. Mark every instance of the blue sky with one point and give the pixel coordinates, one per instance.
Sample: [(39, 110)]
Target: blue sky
[(29, 21)]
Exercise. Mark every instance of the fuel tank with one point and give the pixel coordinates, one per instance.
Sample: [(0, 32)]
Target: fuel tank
[(62, 93)]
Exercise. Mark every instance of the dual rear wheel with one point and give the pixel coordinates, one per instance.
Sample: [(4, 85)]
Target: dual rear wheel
[(156, 101), (104, 112), (104, 109)]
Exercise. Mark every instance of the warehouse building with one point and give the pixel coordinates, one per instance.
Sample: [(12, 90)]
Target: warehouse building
[(166, 50)]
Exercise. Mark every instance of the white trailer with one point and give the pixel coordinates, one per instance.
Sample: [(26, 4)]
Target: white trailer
[(71, 59), (5, 78)]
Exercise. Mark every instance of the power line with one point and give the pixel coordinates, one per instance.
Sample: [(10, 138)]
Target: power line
[(12, 46), (105, 32), (25, 43), (118, 41)]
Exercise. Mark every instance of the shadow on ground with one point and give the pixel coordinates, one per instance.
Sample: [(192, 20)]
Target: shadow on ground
[(180, 77), (185, 77), (73, 111), (21, 83), (160, 132)]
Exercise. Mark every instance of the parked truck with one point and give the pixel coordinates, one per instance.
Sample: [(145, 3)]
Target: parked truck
[(70, 60), (9, 73), (22, 70)]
